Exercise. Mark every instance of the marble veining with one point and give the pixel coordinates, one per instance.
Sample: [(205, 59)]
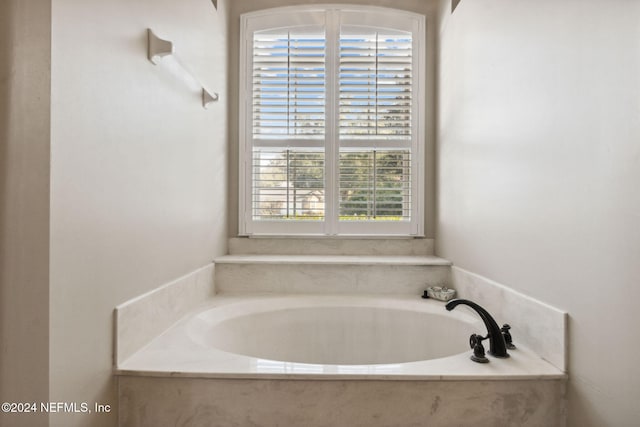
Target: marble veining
[(186, 402)]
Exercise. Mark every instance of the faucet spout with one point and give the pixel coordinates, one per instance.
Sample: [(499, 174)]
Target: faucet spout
[(497, 346)]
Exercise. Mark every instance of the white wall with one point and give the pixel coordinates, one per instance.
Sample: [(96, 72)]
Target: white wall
[(539, 166), (138, 174), (25, 50), (425, 7)]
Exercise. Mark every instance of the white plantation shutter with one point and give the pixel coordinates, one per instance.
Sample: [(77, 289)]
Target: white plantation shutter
[(375, 85), (330, 126), (288, 109), (375, 185), (288, 85), (375, 107), (288, 184)]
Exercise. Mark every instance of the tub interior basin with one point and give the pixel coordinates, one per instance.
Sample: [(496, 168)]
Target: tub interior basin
[(340, 335)]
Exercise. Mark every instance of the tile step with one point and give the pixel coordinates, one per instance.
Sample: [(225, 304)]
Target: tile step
[(330, 246), (333, 259), (329, 274)]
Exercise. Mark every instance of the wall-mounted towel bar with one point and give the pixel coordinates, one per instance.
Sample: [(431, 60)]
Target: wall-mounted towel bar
[(159, 49)]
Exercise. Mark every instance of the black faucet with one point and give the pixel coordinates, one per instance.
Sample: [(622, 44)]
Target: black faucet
[(497, 345)]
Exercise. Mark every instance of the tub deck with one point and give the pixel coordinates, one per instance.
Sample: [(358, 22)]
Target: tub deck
[(175, 354)]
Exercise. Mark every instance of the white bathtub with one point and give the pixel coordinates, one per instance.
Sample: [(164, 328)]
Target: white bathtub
[(264, 336), (332, 331)]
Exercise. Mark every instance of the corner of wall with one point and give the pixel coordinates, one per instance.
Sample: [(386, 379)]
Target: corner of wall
[(25, 91)]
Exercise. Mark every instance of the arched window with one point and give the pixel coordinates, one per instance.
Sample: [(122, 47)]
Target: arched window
[(331, 121)]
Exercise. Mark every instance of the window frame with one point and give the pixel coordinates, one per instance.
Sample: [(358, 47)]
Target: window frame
[(332, 18)]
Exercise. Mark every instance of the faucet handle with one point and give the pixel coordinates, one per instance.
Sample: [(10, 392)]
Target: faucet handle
[(508, 339), (475, 341)]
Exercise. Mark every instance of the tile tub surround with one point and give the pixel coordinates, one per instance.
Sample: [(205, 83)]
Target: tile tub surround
[(178, 380), (139, 320), (539, 326), (162, 401)]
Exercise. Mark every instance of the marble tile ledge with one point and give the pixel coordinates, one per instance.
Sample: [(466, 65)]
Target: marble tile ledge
[(139, 320), (333, 259)]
